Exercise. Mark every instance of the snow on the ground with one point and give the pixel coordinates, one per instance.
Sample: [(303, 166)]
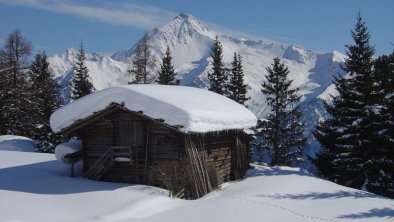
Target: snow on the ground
[(197, 110), (66, 148), (36, 187), (17, 143)]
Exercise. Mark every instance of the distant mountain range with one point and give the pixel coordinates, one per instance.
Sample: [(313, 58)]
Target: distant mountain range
[(190, 41)]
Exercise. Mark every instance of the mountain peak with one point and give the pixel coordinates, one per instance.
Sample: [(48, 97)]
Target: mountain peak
[(187, 18), (70, 51), (184, 16), (186, 22)]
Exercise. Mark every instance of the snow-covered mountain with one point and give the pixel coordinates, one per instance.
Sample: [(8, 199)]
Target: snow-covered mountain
[(190, 41)]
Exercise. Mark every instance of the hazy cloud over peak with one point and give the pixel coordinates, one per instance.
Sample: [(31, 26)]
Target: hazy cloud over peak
[(128, 14)]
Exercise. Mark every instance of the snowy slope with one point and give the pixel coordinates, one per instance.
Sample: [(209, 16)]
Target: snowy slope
[(190, 41), (36, 187), (103, 70)]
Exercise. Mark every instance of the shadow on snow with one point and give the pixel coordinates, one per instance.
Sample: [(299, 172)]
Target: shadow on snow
[(376, 212), (49, 177), (321, 195)]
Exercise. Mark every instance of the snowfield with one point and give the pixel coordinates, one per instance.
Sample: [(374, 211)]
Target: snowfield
[(36, 187)]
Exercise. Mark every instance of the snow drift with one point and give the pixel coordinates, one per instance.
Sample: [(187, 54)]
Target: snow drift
[(194, 109), (66, 148), (17, 143)]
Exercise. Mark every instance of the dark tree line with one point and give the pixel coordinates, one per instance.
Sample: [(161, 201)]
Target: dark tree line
[(143, 63), (227, 81), (281, 133), (29, 93), (358, 138), (15, 102)]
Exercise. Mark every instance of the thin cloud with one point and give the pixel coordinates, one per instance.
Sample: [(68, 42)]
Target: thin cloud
[(245, 35), (135, 15)]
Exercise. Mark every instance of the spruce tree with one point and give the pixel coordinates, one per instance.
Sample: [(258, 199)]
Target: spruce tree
[(15, 102), (282, 130), (167, 74), (217, 77), (143, 62), (44, 91), (351, 136), (80, 83), (381, 181), (236, 88)]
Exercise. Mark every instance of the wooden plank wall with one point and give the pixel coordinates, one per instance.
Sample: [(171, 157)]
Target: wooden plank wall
[(240, 156), (162, 143), (217, 148), (155, 147), (97, 139), (227, 152)]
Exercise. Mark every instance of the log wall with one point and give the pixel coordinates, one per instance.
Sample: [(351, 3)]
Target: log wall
[(158, 153), (97, 139)]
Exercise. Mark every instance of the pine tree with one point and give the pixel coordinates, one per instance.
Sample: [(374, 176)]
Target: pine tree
[(381, 181), (45, 100), (80, 83), (217, 77), (282, 131), (15, 102), (351, 137), (236, 88), (167, 74), (137, 70), (143, 62)]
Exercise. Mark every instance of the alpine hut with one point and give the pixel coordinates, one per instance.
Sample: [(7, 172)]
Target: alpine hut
[(185, 139)]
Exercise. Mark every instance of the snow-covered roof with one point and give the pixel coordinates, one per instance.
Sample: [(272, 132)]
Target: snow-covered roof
[(69, 147), (196, 110)]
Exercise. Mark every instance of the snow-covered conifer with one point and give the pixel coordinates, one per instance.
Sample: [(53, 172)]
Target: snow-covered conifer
[(44, 98), (80, 83), (167, 74), (352, 135), (282, 130), (217, 76), (236, 88)]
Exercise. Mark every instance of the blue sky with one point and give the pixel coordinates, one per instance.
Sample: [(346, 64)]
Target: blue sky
[(108, 26)]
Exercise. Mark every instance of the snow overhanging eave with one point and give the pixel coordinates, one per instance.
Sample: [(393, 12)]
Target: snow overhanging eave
[(183, 109), (113, 106)]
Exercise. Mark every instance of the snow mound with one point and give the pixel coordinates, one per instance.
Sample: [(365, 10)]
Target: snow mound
[(196, 110), (17, 143), (66, 148)]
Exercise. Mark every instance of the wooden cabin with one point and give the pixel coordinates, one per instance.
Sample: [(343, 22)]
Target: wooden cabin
[(124, 144)]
